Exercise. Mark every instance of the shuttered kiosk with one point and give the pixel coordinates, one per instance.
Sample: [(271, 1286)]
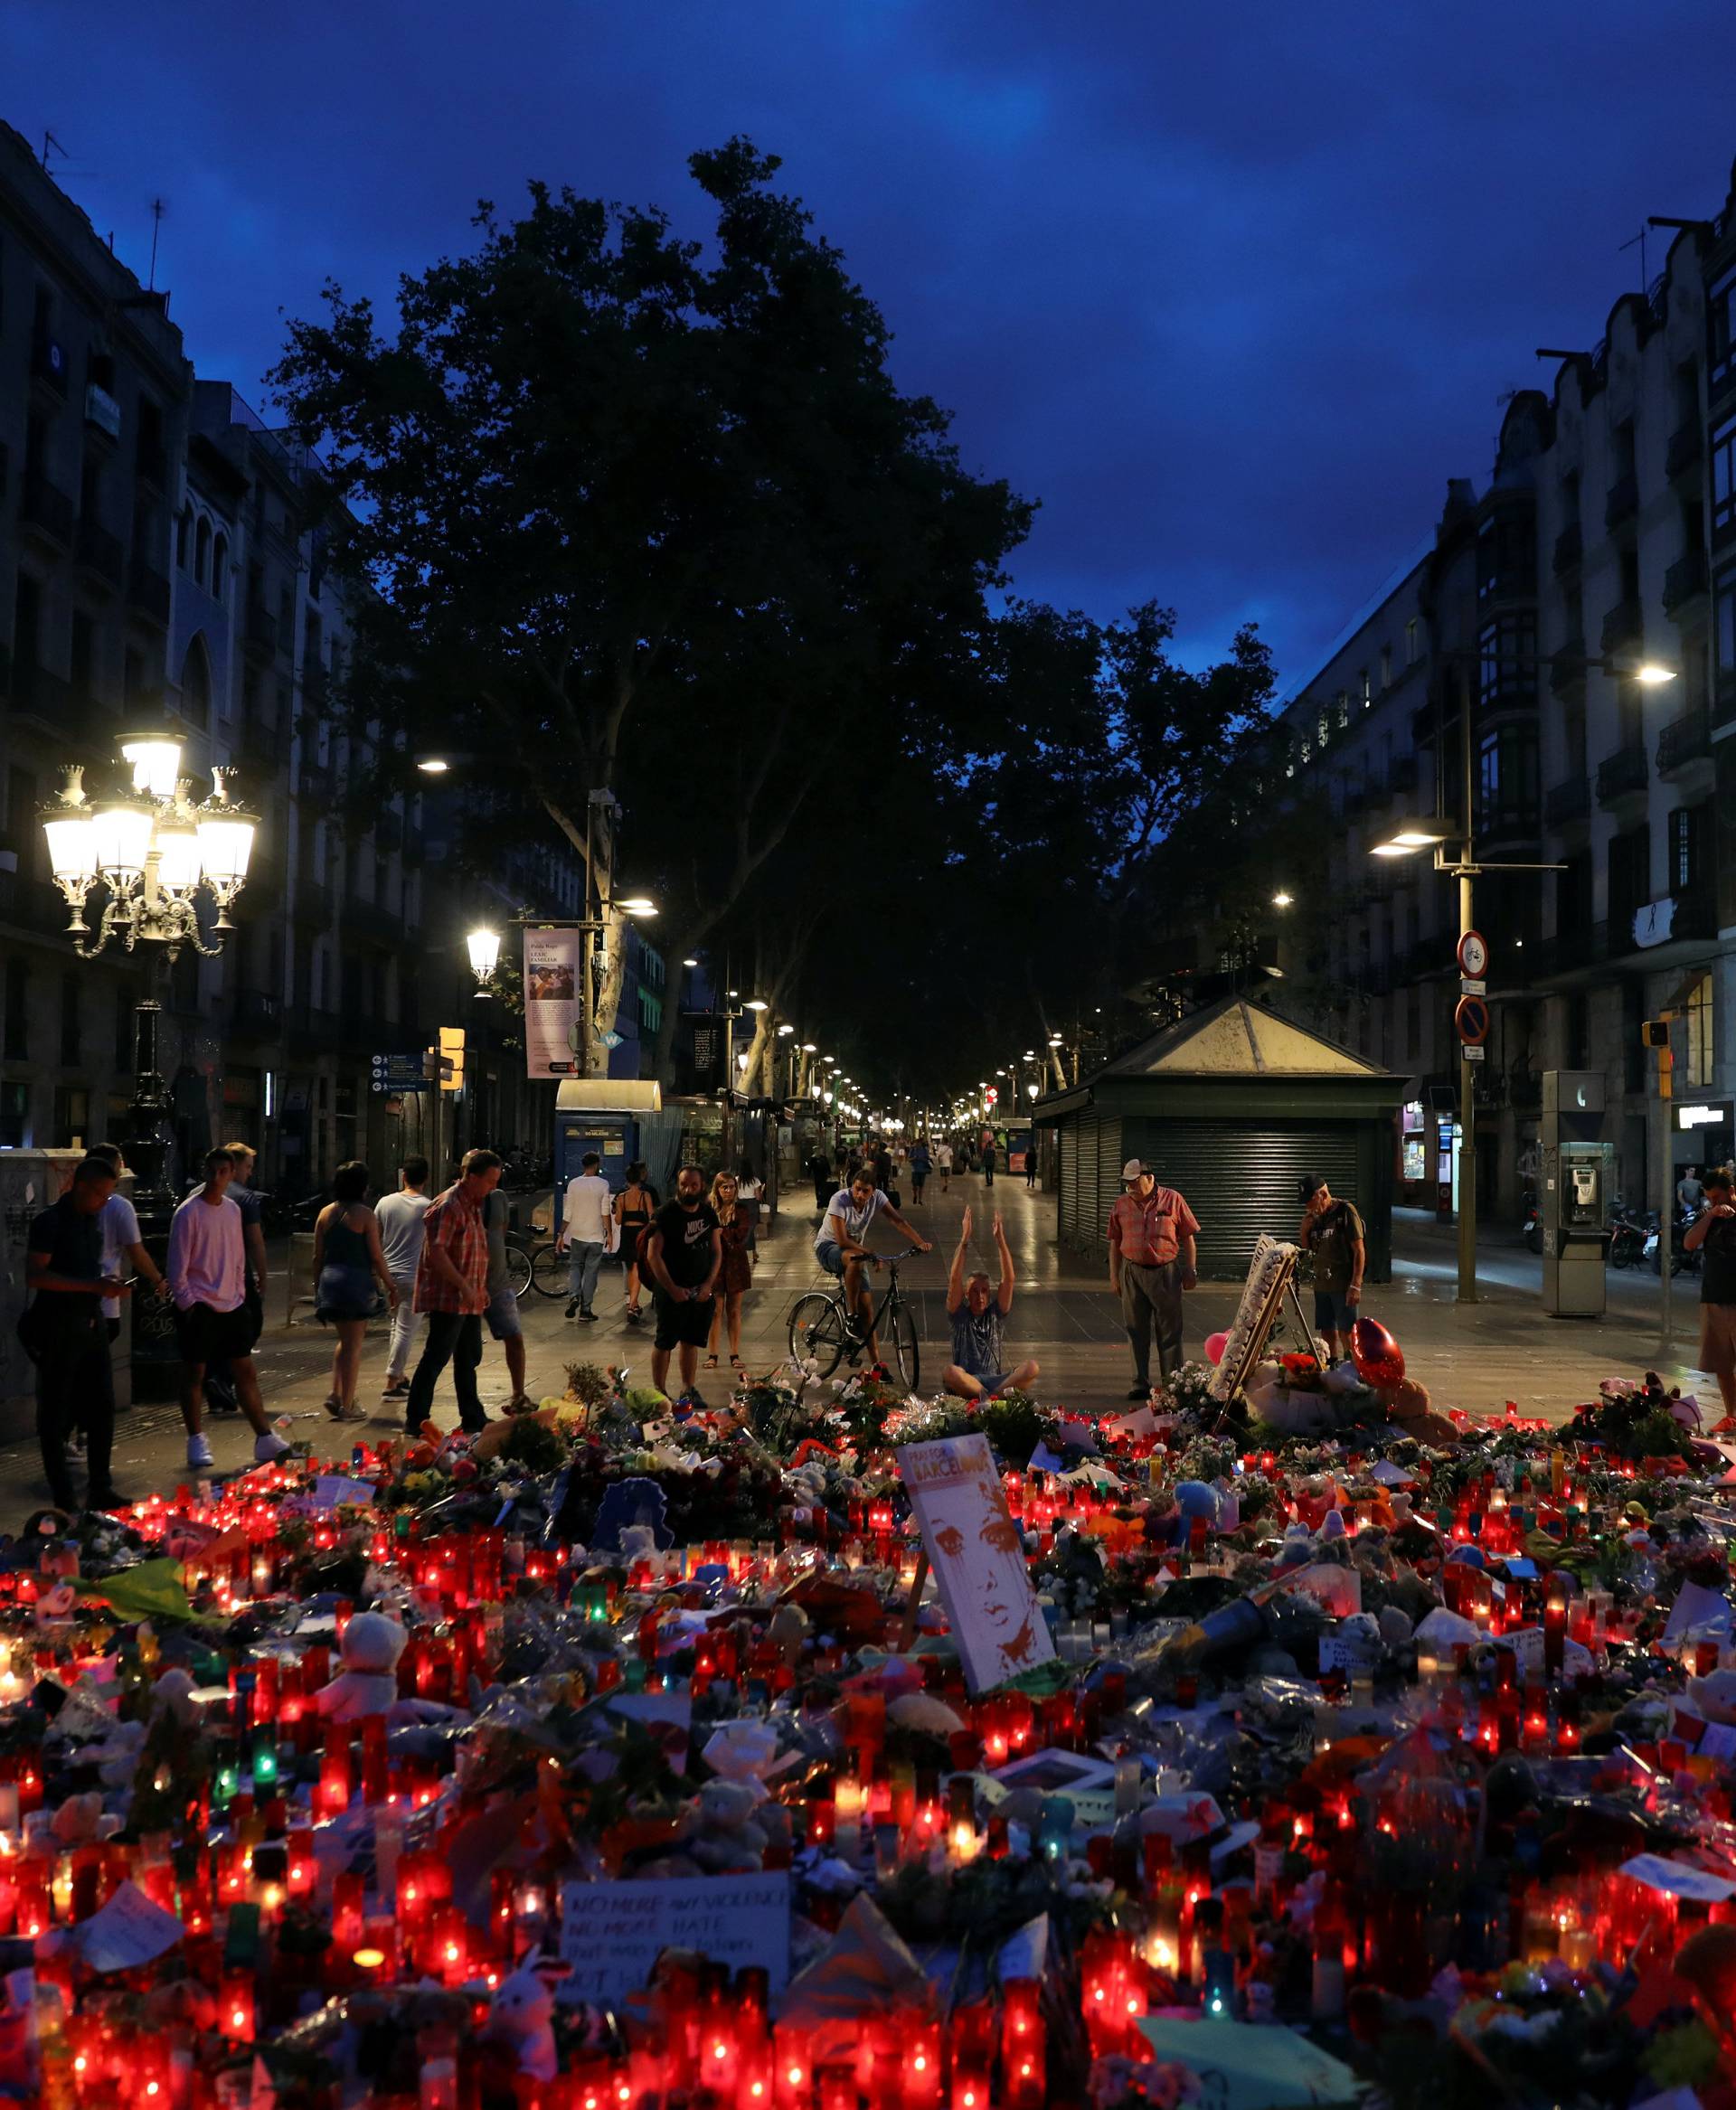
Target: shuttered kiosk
[(1233, 1105)]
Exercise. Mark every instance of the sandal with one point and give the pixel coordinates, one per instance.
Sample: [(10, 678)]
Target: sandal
[(736, 1363), (710, 1362)]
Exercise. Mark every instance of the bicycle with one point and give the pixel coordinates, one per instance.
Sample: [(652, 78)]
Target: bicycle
[(823, 1330), (534, 1266)]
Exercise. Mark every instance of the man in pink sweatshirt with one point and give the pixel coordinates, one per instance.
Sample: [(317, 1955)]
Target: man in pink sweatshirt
[(207, 1275)]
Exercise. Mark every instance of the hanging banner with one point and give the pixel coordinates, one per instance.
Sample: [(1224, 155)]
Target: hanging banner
[(978, 1559), (551, 1002)]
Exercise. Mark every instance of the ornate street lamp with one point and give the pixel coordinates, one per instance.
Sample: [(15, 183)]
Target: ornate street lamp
[(151, 849)]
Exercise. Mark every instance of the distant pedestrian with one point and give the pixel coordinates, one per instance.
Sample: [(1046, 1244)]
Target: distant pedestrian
[(348, 1262), (401, 1219), (735, 1276), (1689, 1192), (452, 1289), (685, 1255), (207, 1274), (502, 1314), (635, 1206), (979, 1310), (121, 1240), (751, 1194), (1332, 1233), (64, 1269), (1714, 1230), (883, 1162), (819, 1169), (1152, 1258), (988, 1162), (584, 1232), (1031, 1159), (921, 1164), (943, 1164), (220, 1380)]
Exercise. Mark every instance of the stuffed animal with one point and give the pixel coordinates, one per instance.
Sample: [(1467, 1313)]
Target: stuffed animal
[(368, 1683), (1408, 1403), (521, 2019), (724, 1836)]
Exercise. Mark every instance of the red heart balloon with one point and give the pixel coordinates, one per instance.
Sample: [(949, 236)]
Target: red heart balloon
[(1379, 1358)]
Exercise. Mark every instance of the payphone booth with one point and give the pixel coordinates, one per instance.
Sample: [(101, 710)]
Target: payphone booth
[(601, 1114), (1578, 1177)]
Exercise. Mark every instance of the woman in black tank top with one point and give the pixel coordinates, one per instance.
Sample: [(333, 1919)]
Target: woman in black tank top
[(635, 1206)]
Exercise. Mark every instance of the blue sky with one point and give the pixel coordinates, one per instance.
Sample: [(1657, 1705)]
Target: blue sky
[(1232, 290)]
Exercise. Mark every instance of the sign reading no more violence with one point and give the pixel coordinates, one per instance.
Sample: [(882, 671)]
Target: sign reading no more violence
[(612, 1933)]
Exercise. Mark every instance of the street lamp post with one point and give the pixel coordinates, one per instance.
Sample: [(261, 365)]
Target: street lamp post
[(1435, 835)]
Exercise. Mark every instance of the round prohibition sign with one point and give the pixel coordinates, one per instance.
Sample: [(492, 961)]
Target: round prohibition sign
[(1471, 1021), (1473, 954)]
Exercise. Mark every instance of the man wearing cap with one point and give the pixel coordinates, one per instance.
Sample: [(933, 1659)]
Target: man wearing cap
[(1716, 1228), (1152, 1258), (1331, 1231)]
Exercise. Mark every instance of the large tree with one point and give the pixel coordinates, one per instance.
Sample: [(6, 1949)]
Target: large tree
[(644, 522)]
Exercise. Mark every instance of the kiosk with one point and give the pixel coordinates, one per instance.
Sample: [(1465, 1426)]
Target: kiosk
[(1578, 1173)]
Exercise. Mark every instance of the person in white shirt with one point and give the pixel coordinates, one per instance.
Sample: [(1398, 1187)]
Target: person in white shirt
[(207, 1274), (943, 1163), (585, 1223), (119, 1222), (839, 1249), (401, 1235)]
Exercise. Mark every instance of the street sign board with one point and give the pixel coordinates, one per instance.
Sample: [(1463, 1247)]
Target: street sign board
[(1473, 985), (1470, 1052), (1472, 1020), (611, 1040), (399, 1073), (1473, 954)]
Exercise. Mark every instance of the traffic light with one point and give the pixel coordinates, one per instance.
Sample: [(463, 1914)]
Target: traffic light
[(1654, 1033), (451, 1059)]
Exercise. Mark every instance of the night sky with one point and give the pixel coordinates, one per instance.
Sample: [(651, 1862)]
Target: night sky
[(1233, 288)]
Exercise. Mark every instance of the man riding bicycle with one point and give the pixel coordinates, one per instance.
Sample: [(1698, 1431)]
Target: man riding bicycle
[(840, 1251)]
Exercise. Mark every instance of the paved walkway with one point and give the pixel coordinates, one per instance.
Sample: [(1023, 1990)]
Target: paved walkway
[(1476, 1357)]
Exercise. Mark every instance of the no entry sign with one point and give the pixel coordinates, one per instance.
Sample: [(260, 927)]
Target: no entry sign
[(1471, 1021)]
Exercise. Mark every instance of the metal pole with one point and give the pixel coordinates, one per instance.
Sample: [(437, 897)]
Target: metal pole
[(1467, 1070), (1665, 1196), (583, 1050)]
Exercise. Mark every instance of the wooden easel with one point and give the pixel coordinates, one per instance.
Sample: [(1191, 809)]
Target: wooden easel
[(1282, 1286)]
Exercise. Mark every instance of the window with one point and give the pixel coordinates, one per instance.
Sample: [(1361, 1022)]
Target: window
[(1506, 558), (1507, 781), (1721, 332), (1386, 667), (1412, 641), (71, 1117), (1573, 896), (26, 629), (17, 1031), (1689, 839), (1573, 735), (1507, 663), (1724, 642), (1621, 450), (1699, 1033), (202, 552), (124, 1018), (1364, 683), (1723, 482), (1578, 1030), (183, 536), (72, 997), (1343, 709), (1630, 884), (14, 1116), (219, 567), (84, 656), (133, 676)]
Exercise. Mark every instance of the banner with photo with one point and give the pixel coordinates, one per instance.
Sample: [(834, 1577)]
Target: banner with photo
[(552, 965)]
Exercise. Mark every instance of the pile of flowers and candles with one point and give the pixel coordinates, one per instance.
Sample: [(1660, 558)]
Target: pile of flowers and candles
[(622, 1758)]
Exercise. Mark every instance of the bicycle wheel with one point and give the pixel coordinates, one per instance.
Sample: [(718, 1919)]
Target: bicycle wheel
[(817, 1332), (548, 1271), (518, 1270), (897, 1330)]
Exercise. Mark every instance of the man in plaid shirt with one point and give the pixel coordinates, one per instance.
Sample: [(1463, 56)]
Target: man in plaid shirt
[(452, 1289)]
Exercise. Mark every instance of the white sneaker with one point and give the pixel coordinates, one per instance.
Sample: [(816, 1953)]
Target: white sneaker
[(199, 1451), (269, 1447)]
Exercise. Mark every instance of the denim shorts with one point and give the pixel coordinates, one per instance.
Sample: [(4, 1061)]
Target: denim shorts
[(1333, 1312), (502, 1315), (830, 1256)]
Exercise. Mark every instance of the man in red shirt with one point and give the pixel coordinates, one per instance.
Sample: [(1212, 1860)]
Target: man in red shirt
[(452, 1289), (1152, 1258)]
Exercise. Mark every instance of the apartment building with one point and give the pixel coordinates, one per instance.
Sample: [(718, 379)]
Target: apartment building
[(1534, 634), (95, 392)]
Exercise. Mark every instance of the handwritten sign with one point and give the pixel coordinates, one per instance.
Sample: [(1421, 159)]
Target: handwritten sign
[(612, 1933), (1676, 1880), (1269, 1269), (978, 1558), (129, 1931)]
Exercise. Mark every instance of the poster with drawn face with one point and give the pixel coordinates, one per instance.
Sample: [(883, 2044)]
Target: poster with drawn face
[(978, 1561)]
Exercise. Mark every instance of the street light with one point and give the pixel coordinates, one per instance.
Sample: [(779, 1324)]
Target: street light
[(690, 963), (432, 765), (634, 905), (484, 947), (1281, 900), (756, 1003)]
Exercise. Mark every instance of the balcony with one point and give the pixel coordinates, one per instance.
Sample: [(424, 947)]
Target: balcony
[(51, 700), (259, 634), (257, 1011), (1687, 738), (306, 1026), (314, 780), (1572, 951), (1401, 778), (100, 554), (1503, 826), (1622, 774), (263, 749), (49, 510), (48, 366), (1623, 501), (1570, 546), (1686, 580), (148, 593), (1569, 801), (373, 922), (1687, 444), (1623, 626)]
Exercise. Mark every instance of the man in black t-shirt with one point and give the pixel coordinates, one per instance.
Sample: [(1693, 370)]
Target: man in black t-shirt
[(684, 1253), (1714, 1229), (74, 1382)]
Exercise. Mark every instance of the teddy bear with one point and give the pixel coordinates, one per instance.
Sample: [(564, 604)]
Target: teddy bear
[(521, 2019), (724, 1834), (368, 1683)]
